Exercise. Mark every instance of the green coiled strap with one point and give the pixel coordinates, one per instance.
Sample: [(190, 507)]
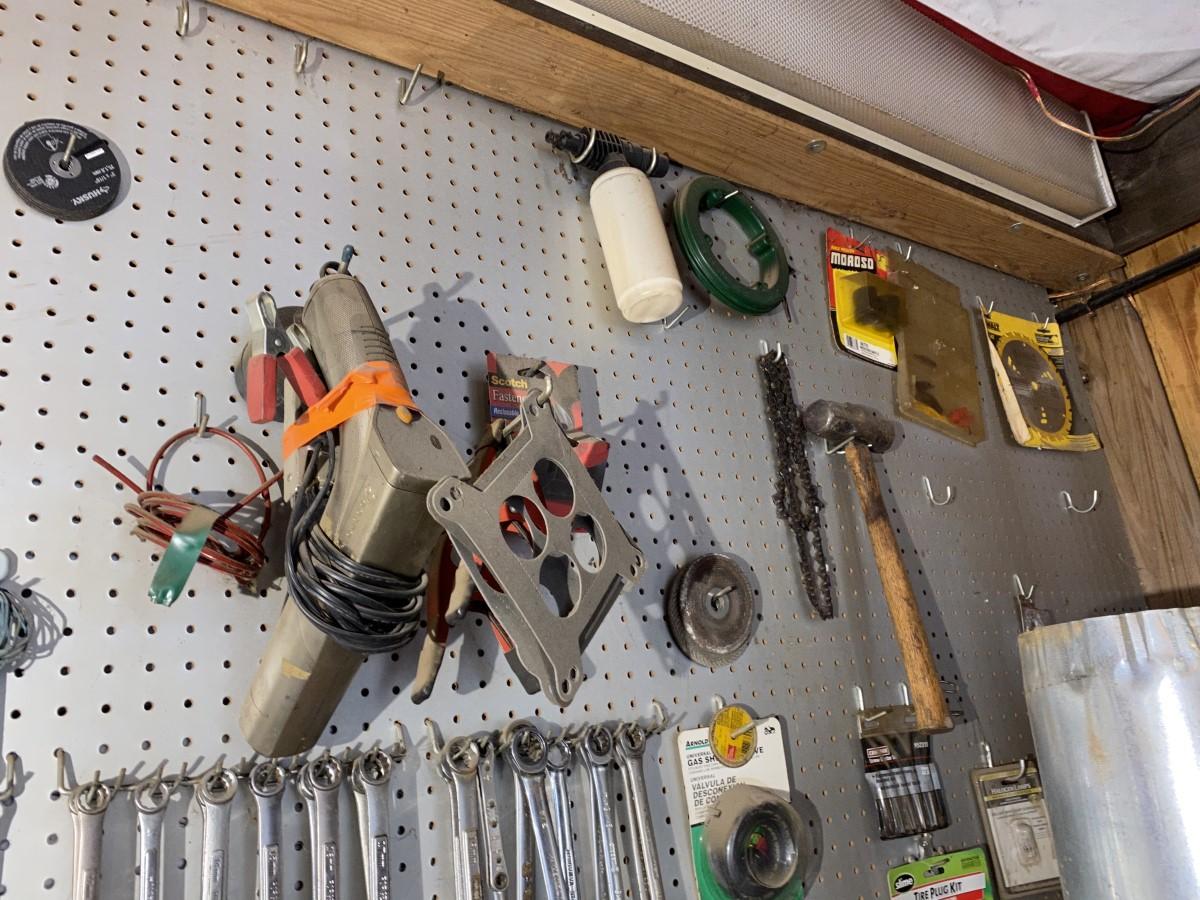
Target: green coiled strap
[(705, 193)]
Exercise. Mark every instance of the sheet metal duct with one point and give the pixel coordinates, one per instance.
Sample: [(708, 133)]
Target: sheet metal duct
[(884, 74), (1115, 708)]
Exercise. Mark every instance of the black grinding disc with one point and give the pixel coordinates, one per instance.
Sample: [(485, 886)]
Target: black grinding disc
[(710, 610), (83, 189)]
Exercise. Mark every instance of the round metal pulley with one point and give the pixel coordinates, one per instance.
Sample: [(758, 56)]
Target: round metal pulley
[(710, 610), (754, 842)]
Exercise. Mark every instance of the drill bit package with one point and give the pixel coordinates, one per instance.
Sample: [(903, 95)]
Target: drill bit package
[(904, 780), (1027, 362)]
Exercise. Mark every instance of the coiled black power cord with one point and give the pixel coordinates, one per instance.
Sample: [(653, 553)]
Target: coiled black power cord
[(361, 607)]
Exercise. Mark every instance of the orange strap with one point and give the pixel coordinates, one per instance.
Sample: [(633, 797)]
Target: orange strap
[(371, 384)]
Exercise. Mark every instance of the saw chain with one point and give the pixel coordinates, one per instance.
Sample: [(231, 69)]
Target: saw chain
[(796, 498)]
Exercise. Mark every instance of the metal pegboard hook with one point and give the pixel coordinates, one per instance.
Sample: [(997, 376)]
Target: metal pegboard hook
[(1013, 779), (985, 754), (668, 325), (831, 449), (541, 395), (929, 492), (764, 348), (201, 422), (922, 847), (10, 776), (659, 723), (1019, 589), (400, 745), (435, 735), (302, 55), (406, 87), (183, 18), (907, 253), (986, 310), (1069, 504)]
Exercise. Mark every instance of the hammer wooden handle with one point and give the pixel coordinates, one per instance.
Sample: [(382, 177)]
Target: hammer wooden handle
[(929, 702)]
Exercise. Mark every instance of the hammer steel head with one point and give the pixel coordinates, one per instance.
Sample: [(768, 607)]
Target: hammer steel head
[(840, 422)]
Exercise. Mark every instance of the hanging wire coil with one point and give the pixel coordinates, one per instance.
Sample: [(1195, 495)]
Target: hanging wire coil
[(230, 548), (14, 629)]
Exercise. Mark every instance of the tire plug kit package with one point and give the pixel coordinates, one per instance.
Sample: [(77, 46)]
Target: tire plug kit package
[(956, 876), (899, 767), (1014, 816)]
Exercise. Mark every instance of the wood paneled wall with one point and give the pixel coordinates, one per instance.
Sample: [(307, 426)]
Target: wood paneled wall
[(1142, 360)]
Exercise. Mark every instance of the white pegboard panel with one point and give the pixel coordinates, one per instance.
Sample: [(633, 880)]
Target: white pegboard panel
[(472, 236)]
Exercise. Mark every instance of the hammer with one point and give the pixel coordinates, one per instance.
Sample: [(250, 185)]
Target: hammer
[(862, 430)]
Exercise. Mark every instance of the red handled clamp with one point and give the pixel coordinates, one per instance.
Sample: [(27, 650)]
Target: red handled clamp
[(275, 348)]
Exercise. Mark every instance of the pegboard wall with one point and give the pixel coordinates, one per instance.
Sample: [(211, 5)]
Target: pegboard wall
[(471, 235)]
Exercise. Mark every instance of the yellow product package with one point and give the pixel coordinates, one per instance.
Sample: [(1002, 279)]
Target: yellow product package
[(864, 306), (1027, 362)]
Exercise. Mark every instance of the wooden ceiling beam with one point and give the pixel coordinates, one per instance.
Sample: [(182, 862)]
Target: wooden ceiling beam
[(501, 52)]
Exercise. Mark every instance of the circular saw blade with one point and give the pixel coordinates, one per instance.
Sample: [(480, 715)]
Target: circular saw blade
[(1040, 391)]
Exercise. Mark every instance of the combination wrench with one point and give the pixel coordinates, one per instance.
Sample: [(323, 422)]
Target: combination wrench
[(525, 870), (629, 747), (495, 868), (150, 799), (320, 783), (558, 760), (526, 752), (459, 766), (596, 748), (267, 781), (370, 777), (215, 794), (87, 804)]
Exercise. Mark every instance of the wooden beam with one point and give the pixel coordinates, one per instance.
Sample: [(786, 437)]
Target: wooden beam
[(1170, 312), (1154, 180), (501, 52), (1159, 500)]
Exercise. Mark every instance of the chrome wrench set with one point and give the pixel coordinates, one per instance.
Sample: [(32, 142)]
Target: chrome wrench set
[(545, 831), (319, 781)]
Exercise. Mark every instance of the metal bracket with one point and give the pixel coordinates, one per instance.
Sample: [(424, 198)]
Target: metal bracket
[(1029, 616), (546, 597)]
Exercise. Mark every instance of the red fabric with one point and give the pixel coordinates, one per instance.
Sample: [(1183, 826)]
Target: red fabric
[(1110, 113)]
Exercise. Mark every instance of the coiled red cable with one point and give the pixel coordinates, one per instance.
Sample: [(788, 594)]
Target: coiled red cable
[(229, 548)]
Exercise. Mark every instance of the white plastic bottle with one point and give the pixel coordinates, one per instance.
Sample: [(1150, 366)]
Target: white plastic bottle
[(636, 249)]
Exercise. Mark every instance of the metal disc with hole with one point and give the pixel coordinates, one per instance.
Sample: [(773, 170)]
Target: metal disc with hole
[(710, 610), (83, 188)]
